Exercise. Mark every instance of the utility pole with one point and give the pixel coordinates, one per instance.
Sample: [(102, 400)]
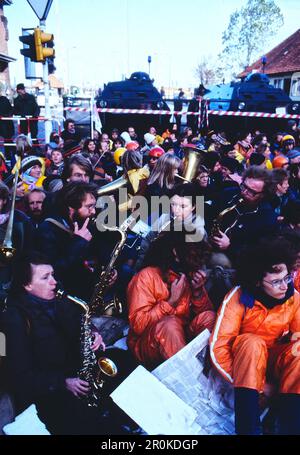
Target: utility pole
[(48, 122)]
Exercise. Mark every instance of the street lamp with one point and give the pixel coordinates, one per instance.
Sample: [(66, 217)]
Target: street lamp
[(149, 62), (264, 62)]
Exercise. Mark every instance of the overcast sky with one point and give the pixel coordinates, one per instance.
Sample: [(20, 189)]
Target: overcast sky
[(98, 41)]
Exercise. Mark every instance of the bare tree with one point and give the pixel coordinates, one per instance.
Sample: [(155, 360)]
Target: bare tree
[(205, 71)]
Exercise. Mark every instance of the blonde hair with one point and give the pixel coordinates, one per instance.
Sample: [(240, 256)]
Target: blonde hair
[(164, 171)]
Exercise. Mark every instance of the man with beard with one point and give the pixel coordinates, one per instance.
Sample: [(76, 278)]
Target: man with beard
[(69, 240), (33, 202), (251, 219)]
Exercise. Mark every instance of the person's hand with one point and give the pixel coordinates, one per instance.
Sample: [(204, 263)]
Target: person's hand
[(97, 342), (222, 241), (20, 192), (197, 282), (77, 386), (177, 289), (83, 231), (108, 178), (112, 278)]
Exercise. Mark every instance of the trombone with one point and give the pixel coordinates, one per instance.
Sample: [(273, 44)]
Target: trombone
[(7, 251)]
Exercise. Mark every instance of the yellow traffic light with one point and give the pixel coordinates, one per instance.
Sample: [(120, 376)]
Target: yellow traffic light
[(41, 38)]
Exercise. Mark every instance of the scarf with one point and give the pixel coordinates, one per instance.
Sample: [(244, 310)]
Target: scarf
[(248, 298), (27, 178)]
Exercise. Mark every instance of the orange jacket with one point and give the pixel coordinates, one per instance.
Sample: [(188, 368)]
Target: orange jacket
[(234, 319), (147, 296), (297, 280)]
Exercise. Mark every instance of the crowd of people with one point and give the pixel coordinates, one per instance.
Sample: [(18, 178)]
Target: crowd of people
[(249, 225)]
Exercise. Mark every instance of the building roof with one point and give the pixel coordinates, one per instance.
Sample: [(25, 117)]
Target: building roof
[(284, 58)]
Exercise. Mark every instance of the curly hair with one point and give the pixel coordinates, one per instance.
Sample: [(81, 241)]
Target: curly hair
[(192, 255), (255, 262)]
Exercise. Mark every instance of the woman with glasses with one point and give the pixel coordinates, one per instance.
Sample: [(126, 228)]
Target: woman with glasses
[(255, 339)]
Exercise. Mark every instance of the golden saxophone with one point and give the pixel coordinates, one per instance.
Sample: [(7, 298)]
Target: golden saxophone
[(94, 371), (113, 306), (218, 223)]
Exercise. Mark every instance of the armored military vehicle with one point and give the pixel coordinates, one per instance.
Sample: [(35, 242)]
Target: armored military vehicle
[(253, 94), (137, 92)]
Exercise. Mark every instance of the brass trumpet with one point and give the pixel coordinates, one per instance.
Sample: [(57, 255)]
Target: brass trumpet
[(191, 161)]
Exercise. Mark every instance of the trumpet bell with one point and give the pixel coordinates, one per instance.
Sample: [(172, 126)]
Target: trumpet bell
[(107, 367), (192, 158), (111, 187)]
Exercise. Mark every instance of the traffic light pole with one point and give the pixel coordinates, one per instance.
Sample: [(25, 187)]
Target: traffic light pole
[(48, 123)]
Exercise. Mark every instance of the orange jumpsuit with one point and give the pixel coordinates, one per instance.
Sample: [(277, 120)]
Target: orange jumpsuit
[(297, 281), (245, 346), (158, 330)]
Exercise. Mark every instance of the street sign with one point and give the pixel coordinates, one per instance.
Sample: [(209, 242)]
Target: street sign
[(41, 8)]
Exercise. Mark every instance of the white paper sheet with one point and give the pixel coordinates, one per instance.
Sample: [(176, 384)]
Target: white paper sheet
[(152, 405)]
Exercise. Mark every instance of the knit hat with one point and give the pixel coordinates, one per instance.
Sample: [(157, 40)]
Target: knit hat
[(118, 154), (149, 138), (132, 145), (220, 139), (29, 162), (125, 136), (295, 153), (279, 161), (287, 137), (156, 152)]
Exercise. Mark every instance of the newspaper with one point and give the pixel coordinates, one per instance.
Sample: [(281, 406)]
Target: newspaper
[(202, 402)]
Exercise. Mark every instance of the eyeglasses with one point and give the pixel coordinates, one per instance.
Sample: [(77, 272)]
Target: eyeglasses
[(246, 189), (277, 283), (89, 206)]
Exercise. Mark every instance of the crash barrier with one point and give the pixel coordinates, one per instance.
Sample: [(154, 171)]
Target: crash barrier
[(8, 142), (164, 112)]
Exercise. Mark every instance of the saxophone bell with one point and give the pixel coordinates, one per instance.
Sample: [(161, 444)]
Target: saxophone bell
[(107, 368)]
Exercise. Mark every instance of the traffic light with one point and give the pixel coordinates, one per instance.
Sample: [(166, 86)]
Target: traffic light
[(29, 49), (39, 45), (41, 39)]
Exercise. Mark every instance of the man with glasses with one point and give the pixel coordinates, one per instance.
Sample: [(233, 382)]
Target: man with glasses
[(255, 343), (69, 239), (252, 218)]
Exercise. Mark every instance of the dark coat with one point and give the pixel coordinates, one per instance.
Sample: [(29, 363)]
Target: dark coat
[(6, 126), (42, 346), (67, 253), (26, 105)]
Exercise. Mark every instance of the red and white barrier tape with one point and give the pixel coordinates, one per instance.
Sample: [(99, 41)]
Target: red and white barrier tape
[(158, 112)]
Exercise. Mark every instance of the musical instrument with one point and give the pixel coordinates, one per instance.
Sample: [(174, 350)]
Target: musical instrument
[(226, 219), (98, 303), (191, 161), (7, 251), (94, 371)]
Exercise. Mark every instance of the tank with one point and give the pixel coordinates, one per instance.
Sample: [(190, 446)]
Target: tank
[(137, 92), (253, 94)]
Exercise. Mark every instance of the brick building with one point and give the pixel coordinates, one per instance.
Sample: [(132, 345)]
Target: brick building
[(4, 57)]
